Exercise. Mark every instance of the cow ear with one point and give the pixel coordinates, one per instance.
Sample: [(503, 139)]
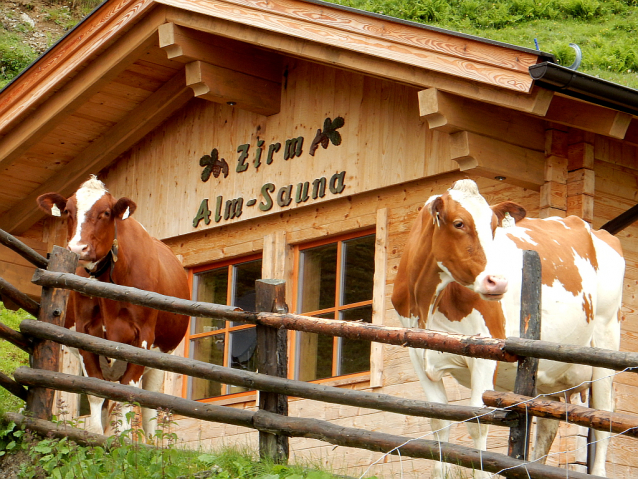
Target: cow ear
[(52, 204), (515, 210), (124, 208), (437, 210)]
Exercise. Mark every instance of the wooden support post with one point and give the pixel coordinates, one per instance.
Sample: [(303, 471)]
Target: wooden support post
[(554, 190), (530, 329), (581, 176), (272, 359), (46, 354)]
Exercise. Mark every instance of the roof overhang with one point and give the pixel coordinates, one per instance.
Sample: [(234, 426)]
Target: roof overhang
[(133, 63)]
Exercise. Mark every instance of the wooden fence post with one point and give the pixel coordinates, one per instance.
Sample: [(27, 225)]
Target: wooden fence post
[(46, 354), (272, 359), (525, 384)]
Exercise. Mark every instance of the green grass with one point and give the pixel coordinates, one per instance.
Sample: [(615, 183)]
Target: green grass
[(11, 358), (124, 459), (605, 31)]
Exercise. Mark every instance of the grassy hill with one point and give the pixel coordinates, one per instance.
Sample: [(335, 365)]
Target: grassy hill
[(604, 30)]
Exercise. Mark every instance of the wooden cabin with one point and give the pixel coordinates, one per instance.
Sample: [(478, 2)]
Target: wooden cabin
[(297, 140)]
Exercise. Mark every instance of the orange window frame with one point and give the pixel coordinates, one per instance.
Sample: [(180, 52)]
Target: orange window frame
[(226, 330), (293, 338)]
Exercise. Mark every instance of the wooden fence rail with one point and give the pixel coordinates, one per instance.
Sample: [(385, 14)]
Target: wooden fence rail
[(583, 416), (23, 250), (299, 427), (263, 382), (510, 349)]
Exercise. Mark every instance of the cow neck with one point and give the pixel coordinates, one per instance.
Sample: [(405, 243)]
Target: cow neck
[(432, 284), (107, 263)]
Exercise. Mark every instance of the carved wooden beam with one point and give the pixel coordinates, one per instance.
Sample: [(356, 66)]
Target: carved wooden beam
[(588, 117), (493, 158), (187, 45), (147, 116), (451, 113), (221, 85)]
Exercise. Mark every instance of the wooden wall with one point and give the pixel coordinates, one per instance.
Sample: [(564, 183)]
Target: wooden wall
[(384, 142)]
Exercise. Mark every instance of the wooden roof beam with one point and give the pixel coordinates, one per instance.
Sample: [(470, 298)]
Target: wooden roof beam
[(78, 90), (493, 158), (535, 102), (451, 113), (222, 85), (461, 56), (186, 45), (147, 116), (588, 117)]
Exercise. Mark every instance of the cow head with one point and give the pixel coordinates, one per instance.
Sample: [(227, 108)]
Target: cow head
[(463, 246), (90, 213)]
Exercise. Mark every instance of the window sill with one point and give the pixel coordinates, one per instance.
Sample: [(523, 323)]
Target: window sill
[(358, 381)]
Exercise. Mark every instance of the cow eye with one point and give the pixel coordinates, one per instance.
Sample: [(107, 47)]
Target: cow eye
[(458, 224)]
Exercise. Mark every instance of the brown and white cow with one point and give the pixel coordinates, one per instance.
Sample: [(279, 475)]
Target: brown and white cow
[(113, 247), (461, 272)]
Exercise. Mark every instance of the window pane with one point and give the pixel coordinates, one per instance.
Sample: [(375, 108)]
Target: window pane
[(243, 354), (245, 275), (354, 355), (318, 278), (212, 287), (358, 261), (314, 355), (209, 349)]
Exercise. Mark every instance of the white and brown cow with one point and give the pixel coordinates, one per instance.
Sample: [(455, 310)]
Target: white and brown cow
[(461, 272), (113, 247)]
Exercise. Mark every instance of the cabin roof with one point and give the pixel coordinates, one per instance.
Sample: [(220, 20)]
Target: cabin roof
[(130, 64)]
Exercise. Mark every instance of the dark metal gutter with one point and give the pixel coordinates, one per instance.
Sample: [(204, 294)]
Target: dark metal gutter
[(585, 87)]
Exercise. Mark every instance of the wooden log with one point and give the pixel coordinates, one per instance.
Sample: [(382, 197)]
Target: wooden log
[(16, 338), (530, 328), (318, 392), (46, 354), (472, 346), (13, 387), (23, 250), (565, 353), (583, 416), (48, 428), (272, 360), (299, 427), (7, 290)]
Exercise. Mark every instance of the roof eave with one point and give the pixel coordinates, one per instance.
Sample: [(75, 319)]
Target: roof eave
[(585, 87)]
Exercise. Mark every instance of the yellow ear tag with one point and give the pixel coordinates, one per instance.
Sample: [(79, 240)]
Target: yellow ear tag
[(55, 211), (508, 221), (436, 220)]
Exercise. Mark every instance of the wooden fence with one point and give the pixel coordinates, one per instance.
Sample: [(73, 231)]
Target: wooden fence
[(41, 338)]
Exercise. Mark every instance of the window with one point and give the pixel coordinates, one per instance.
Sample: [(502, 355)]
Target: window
[(225, 343), (335, 281)]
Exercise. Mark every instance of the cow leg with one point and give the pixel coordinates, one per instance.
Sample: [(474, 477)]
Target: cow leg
[(544, 436), (602, 390), (152, 381), (434, 392), (482, 379)]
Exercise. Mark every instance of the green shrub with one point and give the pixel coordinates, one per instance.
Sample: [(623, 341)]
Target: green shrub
[(11, 358)]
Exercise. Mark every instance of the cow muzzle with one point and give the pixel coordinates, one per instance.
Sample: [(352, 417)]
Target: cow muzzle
[(491, 287), (86, 254)]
